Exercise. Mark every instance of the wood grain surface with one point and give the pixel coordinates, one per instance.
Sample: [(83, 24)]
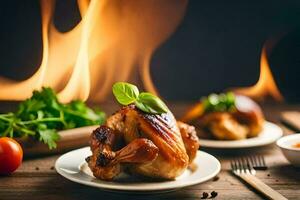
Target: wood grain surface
[(37, 178)]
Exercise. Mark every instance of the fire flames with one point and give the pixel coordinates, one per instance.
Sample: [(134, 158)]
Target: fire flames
[(113, 42), (266, 86)]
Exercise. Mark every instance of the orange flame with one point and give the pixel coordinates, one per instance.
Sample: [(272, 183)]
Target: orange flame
[(266, 86), (113, 41)]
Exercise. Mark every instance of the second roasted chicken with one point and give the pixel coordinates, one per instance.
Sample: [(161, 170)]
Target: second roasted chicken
[(226, 117)]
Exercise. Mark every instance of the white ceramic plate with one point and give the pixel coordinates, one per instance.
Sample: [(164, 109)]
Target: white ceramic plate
[(72, 166), (270, 133)]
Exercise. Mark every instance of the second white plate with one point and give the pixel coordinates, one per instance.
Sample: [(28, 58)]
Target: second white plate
[(270, 133)]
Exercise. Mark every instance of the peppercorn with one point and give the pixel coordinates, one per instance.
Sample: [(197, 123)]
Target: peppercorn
[(213, 194), (204, 195)]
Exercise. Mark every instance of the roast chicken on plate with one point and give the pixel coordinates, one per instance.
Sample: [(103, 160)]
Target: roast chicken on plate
[(152, 145), (227, 117)]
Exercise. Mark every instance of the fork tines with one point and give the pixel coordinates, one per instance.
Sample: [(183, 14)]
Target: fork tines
[(258, 162), (242, 166)]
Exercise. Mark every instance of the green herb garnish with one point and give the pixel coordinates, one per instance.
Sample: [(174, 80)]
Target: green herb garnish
[(127, 93), (42, 115), (219, 102)]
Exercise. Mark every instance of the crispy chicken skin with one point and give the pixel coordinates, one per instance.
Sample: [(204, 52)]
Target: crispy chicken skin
[(223, 126), (153, 145), (106, 163), (250, 114), (245, 122), (190, 139)]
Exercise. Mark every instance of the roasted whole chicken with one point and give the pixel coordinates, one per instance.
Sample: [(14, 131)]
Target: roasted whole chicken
[(152, 145), (244, 119)]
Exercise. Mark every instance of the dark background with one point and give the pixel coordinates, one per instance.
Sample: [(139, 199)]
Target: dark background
[(217, 46)]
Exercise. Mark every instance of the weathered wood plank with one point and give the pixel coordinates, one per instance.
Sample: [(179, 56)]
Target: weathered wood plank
[(37, 179)]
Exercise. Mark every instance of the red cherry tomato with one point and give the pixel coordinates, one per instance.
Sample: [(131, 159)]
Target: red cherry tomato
[(11, 155)]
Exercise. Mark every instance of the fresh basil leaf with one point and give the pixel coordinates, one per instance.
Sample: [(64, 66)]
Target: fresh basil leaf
[(125, 93), (144, 107), (150, 103)]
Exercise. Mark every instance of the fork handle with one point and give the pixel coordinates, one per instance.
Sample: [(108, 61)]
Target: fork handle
[(262, 187)]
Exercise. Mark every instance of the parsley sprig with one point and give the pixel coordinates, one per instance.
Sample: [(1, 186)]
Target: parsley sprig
[(42, 115)]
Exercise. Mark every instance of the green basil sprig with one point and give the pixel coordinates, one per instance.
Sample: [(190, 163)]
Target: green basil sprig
[(127, 93), (224, 102)]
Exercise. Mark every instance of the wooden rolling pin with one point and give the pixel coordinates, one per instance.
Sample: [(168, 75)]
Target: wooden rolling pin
[(291, 119), (69, 139)]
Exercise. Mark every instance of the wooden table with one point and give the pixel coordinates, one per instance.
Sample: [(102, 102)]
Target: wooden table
[(37, 178)]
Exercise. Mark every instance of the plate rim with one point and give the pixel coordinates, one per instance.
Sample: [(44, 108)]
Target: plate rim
[(124, 188), (218, 144)]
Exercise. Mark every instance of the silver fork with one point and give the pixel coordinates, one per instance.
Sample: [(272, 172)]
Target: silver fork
[(244, 169), (258, 162)]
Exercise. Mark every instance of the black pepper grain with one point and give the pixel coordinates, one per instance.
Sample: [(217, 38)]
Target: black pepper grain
[(216, 178), (204, 195), (37, 168), (213, 194)]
